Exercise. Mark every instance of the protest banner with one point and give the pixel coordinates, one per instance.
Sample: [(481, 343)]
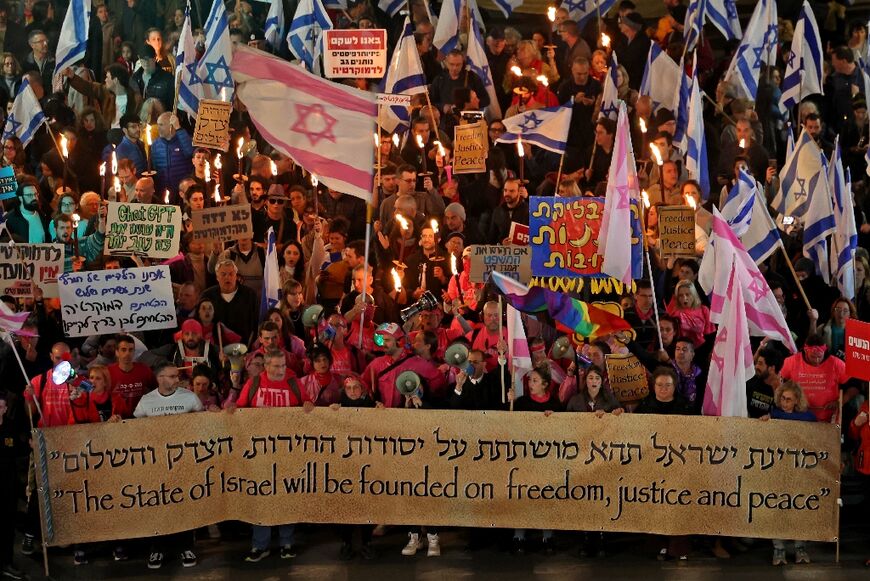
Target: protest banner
[(212, 128), (858, 349), (152, 230), (627, 377), (22, 263), (8, 183), (512, 261), (677, 231), (222, 223), (605, 285), (564, 237), (360, 54), (519, 234), (669, 475), (470, 148), (393, 99), (116, 301)]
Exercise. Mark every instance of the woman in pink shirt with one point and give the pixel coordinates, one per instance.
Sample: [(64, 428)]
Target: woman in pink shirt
[(819, 375), (694, 317)]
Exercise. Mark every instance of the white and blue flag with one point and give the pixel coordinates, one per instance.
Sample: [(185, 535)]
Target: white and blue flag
[(696, 144), (757, 47), (271, 293), (447, 31), (581, 10), (391, 7), (73, 40), (507, 6), (546, 128), (213, 68), (723, 15), (26, 115), (273, 30), (802, 177), (746, 212), (305, 37), (404, 76), (803, 70), (666, 72), (681, 109), (189, 91), (844, 242), (693, 24), (610, 93)]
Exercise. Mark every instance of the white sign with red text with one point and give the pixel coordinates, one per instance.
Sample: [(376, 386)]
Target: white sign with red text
[(355, 54)]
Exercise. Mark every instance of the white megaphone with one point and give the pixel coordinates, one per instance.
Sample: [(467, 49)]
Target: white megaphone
[(236, 353), (311, 315), (63, 372), (408, 383), (457, 356), (562, 348)]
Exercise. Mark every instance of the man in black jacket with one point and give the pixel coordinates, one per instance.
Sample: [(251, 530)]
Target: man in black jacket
[(152, 81), (26, 224), (633, 56), (236, 306), (514, 208)]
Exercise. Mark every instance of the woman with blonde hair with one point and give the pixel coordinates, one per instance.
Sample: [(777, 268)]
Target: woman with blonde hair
[(694, 317)]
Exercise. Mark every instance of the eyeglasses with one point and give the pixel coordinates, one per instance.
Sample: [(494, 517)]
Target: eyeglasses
[(276, 201)]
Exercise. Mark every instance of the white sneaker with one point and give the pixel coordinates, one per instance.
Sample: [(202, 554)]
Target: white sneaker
[(414, 545), (434, 546)]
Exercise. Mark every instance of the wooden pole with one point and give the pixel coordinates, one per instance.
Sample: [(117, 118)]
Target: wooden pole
[(501, 358), (559, 173)]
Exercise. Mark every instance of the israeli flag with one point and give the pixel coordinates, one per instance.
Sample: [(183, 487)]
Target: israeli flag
[(189, 89), (405, 76), (507, 6), (26, 115), (723, 15), (696, 145), (758, 47), (681, 111), (844, 242), (305, 37), (803, 70), (609, 94), (271, 278), (666, 72), (802, 177), (546, 128), (274, 28), (581, 10), (73, 40), (391, 7), (447, 30), (746, 212), (479, 65), (213, 69)]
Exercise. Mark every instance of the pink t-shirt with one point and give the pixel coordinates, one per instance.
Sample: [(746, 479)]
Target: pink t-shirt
[(821, 384)]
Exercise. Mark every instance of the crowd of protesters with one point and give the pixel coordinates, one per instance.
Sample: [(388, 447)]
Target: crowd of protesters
[(424, 223)]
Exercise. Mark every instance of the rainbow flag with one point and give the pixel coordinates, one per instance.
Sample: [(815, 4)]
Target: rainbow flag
[(571, 315)]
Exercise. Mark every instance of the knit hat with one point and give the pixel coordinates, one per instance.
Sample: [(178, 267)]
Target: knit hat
[(633, 20), (804, 264), (456, 208), (664, 116), (859, 101)]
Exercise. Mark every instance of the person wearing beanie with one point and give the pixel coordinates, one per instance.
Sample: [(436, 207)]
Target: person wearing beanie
[(454, 222), (189, 348), (633, 55)]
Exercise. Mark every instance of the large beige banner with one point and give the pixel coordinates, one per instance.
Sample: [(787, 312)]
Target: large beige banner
[(657, 474)]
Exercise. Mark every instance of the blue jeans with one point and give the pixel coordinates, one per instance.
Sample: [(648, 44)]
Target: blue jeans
[(263, 535)]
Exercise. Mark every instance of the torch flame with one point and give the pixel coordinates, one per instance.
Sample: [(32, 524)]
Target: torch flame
[(239, 148), (742, 143), (605, 40), (642, 125), (377, 139), (76, 218), (517, 71), (217, 194), (314, 181), (217, 162), (520, 149), (397, 280), (543, 80), (63, 146), (441, 151), (114, 163), (420, 143), (396, 140), (656, 153), (148, 135), (166, 197), (453, 268), (103, 169), (691, 201), (551, 13), (117, 184), (403, 222), (207, 171), (645, 197), (274, 167), (434, 224)]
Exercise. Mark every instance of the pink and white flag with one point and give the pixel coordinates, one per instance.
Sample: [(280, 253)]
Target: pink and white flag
[(10, 321), (614, 238), (325, 127), (518, 348), (763, 314), (731, 364)]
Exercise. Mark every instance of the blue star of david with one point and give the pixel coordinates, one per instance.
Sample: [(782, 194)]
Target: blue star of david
[(606, 111), (759, 53), (484, 75), (802, 184), (191, 71), (573, 5), (212, 68), (15, 125), (531, 122)]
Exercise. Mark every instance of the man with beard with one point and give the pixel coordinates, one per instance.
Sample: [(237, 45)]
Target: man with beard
[(761, 387), (81, 249), (26, 223), (189, 349)]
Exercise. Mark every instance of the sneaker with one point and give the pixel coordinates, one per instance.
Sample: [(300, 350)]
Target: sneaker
[(414, 544), (434, 546), (79, 558), (119, 554), (801, 557), (257, 555), (28, 545), (10, 572), (155, 561), (663, 555), (367, 552), (779, 557), (188, 559), (287, 552), (345, 553)]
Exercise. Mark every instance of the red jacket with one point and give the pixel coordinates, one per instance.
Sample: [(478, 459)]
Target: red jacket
[(862, 434)]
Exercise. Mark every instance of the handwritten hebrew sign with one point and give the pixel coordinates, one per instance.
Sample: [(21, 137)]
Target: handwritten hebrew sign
[(222, 223), (115, 301), (212, 125), (671, 475), (512, 261), (22, 263), (564, 237), (152, 230)]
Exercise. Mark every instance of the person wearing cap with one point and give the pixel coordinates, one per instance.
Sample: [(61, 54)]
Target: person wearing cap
[(151, 81), (498, 58), (189, 349), (275, 217), (455, 223), (634, 54)]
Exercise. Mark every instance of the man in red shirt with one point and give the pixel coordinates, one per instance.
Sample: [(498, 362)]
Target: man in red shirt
[(486, 338), (54, 399), (130, 380)]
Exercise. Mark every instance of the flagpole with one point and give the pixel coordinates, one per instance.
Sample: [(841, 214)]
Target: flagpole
[(501, 357), (559, 173), (369, 211), (652, 284)]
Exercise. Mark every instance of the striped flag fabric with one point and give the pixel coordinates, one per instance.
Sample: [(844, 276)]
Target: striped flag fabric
[(546, 128), (614, 238), (581, 10), (723, 15), (844, 242), (681, 110), (739, 202), (26, 115), (391, 7), (405, 76), (274, 27), (696, 144), (478, 64), (213, 68), (745, 209), (447, 30), (305, 37), (818, 222), (507, 6), (666, 72), (609, 94), (73, 40), (757, 47), (571, 315), (10, 321), (271, 293), (693, 24), (324, 126), (802, 175), (803, 70), (189, 91), (518, 347)]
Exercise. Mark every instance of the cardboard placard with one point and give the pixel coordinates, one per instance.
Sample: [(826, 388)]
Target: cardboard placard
[(512, 261), (22, 263), (627, 377), (666, 475), (212, 128), (8, 183), (677, 230), (470, 148), (858, 349), (360, 54), (563, 235), (519, 234), (152, 230), (115, 301), (222, 223)]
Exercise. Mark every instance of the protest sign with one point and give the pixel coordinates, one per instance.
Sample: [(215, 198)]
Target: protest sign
[(393, 99), (627, 377), (212, 128), (116, 301), (512, 261), (858, 349), (564, 237), (470, 148), (519, 234), (8, 183), (152, 230), (360, 54), (667, 475), (677, 230), (564, 284), (22, 263), (222, 223)]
